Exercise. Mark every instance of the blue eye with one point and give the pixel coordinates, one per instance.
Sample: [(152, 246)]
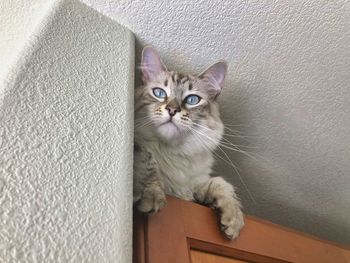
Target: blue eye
[(159, 93), (192, 99)]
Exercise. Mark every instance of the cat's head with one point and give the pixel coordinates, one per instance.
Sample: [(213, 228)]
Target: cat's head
[(180, 106)]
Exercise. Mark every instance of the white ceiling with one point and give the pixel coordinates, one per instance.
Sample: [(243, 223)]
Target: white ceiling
[(288, 87), (17, 21)]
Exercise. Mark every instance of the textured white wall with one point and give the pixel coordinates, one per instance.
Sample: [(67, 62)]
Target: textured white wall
[(66, 119), (288, 85)]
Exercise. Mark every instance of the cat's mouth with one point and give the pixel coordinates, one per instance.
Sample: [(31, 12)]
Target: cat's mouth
[(169, 123)]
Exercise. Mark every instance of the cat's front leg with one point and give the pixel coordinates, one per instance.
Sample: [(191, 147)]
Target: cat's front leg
[(148, 191), (219, 194)]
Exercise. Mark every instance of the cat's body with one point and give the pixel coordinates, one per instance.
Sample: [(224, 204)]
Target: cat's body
[(180, 176), (178, 127)]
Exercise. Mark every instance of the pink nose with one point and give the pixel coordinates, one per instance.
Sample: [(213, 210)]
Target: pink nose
[(172, 111)]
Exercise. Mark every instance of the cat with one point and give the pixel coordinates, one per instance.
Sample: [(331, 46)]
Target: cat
[(177, 128)]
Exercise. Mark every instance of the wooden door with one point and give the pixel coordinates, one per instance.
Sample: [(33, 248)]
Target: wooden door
[(185, 232)]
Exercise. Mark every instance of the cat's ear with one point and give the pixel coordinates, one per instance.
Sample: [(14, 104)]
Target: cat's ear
[(151, 64), (214, 76)]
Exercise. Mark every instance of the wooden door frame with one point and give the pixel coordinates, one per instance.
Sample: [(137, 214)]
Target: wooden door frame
[(168, 236)]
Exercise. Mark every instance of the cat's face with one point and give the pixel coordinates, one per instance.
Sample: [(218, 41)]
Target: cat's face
[(180, 105)]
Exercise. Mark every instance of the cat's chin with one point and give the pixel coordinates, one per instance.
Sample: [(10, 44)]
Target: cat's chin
[(169, 130)]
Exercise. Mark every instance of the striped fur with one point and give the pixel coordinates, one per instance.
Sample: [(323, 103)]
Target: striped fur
[(174, 154)]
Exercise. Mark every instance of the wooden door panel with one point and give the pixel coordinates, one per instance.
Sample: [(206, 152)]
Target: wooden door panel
[(204, 257), (183, 228)]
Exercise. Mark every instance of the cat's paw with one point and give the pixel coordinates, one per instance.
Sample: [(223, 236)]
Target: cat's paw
[(153, 199), (231, 220)]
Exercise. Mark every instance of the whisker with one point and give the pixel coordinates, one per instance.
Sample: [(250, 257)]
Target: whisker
[(229, 145), (235, 168), (141, 123), (233, 131), (144, 123), (234, 125)]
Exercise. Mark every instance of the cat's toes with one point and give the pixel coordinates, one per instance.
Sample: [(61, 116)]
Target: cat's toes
[(152, 201), (231, 222)]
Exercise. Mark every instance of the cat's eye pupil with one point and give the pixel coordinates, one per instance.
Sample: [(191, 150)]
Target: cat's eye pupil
[(159, 93), (192, 99)]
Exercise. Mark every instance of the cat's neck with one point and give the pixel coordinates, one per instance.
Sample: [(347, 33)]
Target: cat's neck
[(163, 143), (184, 146)]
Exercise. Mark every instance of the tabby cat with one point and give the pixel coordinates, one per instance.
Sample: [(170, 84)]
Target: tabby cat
[(177, 128)]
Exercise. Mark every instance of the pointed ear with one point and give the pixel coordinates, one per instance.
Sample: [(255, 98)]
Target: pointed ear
[(215, 76), (151, 64)]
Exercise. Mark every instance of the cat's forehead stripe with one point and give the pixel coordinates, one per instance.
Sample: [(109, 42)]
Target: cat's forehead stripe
[(179, 78), (184, 79)]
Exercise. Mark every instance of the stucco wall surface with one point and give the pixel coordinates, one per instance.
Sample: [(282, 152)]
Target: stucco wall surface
[(66, 119), (287, 90)]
